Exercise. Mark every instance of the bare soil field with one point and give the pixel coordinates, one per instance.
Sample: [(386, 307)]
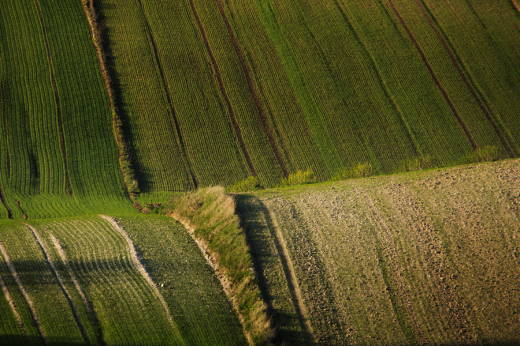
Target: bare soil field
[(429, 257)]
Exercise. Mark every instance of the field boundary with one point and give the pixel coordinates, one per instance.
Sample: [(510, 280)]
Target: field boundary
[(288, 269), (28, 299), (516, 5), (252, 90), (59, 280), (231, 112), (464, 78), (434, 76), (68, 188)]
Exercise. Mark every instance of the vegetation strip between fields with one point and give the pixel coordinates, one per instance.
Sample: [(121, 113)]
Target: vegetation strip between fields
[(59, 280), (125, 162), (236, 127), (139, 266), (465, 79), (252, 90), (290, 275), (434, 76), (68, 188), (28, 299)]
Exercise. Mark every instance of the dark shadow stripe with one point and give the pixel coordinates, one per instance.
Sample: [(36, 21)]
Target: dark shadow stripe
[(455, 63), (434, 76), (252, 90), (2, 198), (171, 108), (68, 188), (236, 127)]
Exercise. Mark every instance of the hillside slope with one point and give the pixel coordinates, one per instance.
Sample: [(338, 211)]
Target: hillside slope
[(214, 92), (418, 258)]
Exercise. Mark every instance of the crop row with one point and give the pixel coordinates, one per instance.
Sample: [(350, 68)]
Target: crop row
[(56, 133)]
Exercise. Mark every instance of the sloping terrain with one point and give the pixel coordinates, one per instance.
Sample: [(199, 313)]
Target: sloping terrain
[(422, 258), (214, 92), (80, 281)]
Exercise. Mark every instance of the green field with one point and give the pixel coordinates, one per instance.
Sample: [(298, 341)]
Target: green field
[(126, 108), (77, 281)]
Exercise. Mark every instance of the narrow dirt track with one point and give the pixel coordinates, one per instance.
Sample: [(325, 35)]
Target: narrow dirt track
[(28, 299), (139, 266), (234, 122), (465, 80), (59, 280), (434, 76), (13, 306), (68, 188)]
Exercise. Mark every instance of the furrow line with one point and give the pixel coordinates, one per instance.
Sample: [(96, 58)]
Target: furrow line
[(252, 90), (171, 108), (28, 299), (391, 253), (434, 76), (59, 280), (68, 188), (465, 79), (516, 5), (2, 198), (380, 78), (139, 266), (13, 306), (87, 303), (4, 118), (236, 127), (290, 275)]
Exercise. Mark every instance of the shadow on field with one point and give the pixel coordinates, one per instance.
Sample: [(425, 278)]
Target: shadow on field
[(251, 211)]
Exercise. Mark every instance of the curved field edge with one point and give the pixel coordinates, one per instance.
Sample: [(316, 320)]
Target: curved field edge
[(210, 215), (428, 257)]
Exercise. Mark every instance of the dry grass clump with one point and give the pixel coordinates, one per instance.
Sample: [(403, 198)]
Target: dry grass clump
[(211, 214)]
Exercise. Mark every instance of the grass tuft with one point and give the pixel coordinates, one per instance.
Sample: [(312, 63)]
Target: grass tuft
[(248, 184), (298, 178), (362, 170), (211, 214)]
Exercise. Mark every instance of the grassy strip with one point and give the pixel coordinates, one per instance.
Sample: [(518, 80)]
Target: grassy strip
[(124, 151), (211, 214)]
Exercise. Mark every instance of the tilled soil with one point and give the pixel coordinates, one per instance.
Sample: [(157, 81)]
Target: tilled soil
[(421, 258)]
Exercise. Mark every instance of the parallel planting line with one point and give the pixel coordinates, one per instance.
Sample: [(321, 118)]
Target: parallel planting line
[(251, 86), (171, 109), (236, 128), (28, 299), (87, 303), (4, 118), (68, 189), (139, 266), (13, 306), (290, 275), (389, 248), (434, 76), (464, 79), (381, 80), (59, 280)]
